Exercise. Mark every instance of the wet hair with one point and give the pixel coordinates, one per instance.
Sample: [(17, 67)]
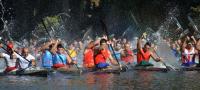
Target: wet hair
[(103, 41), (148, 43), (50, 46), (60, 46)]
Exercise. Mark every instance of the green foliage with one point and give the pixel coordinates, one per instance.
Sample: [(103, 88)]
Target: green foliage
[(50, 21), (196, 9)]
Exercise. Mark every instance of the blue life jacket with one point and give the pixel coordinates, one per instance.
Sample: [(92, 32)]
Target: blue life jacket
[(47, 59), (59, 59)]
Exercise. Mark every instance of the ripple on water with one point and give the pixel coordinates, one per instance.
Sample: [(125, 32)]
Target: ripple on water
[(137, 80)]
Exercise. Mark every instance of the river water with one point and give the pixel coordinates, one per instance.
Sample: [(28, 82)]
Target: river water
[(137, 80)]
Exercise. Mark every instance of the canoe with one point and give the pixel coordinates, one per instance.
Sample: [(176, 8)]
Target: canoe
[(28, 72), (74, 70), (115, 70)]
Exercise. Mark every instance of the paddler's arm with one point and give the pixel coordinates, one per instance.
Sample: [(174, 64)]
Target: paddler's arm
[(46, 45), (123, 53), (33, 63), (193, 38), (1, 54), (69, 60), (184, 45), (54, 48), (112, 60), (139, 43), (198, 45), (156, 58)]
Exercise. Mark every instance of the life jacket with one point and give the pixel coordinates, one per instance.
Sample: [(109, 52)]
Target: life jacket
[(102, 56), (72, 53), (47, 59), (59, 59), (141, 55), (188, 56), (128, 58), (89, 58)]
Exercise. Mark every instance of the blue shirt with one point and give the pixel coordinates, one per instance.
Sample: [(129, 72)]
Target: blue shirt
[(47, 59), (59, 59)]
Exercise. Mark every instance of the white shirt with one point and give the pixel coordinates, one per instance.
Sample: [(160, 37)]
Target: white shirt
[(23, 62), (10, 62)]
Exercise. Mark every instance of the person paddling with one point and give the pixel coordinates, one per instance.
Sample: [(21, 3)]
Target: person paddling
[(144, 53), (10, 58), (59, 56), (22, 63), (197, 45), (188, 53), (88, 60), (47, 55), (103, 54), (73, 53), (127, 54)]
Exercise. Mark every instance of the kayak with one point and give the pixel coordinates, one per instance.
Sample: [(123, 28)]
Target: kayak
[(28, 72), (73, 70)]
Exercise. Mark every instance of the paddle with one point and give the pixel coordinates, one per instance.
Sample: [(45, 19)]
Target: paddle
[(64, 48), (169, 67)]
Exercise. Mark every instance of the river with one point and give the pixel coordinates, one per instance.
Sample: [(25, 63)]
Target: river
[(132, 80)]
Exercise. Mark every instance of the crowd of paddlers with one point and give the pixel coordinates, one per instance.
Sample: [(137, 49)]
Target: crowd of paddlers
[(99, 53)]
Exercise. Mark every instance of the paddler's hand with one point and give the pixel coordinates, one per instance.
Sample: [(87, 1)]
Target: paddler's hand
[(1, 45), (192, 36), (159, 59), (59, 41), (114, 62), (144, 35), (188, 38)]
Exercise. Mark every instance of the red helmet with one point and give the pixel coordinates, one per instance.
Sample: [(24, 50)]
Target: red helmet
[(10, 45)]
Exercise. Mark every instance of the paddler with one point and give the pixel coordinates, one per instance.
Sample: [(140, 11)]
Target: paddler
[(26, 60), (59, 56), (198, 51), (88, 60), (10, 57), (73, 53), (103, 55), (144, 53), (127, 55), (47, 55), (188, 53)]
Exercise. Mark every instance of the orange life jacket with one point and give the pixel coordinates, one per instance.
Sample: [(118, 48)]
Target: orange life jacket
[(141, 55), (128, 58), (102, 56), (88, 60)]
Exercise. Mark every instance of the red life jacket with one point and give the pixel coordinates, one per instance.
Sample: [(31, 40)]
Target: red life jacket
[(128, 58), (141, 55), (88, 60), (102, 56)]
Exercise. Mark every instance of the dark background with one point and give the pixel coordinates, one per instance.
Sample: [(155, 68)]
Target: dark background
[(149, 13)]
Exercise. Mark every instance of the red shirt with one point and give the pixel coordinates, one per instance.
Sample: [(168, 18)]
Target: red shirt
[(88, 57), (141, 55), (129, 56), (102, 56)]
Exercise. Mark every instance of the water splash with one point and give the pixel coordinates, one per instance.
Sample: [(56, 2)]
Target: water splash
[(5, 22), (193, 24)]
